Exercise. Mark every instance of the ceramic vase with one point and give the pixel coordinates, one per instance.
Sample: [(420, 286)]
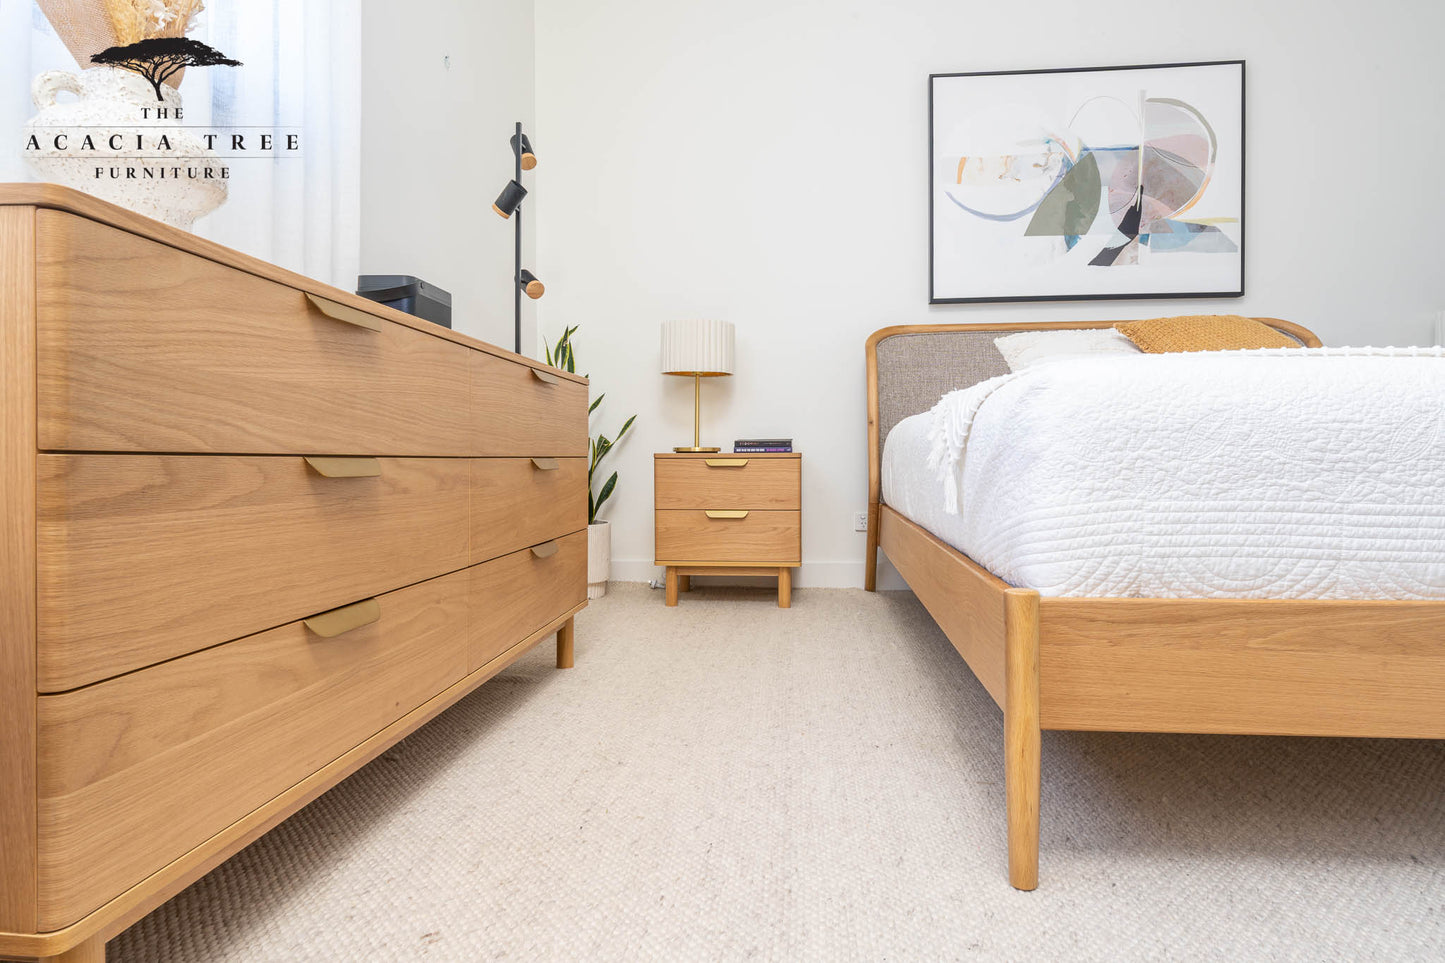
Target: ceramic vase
[(108, 107)]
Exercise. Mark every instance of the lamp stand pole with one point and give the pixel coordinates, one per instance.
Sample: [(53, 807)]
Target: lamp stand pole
[(517, 269), (697, 445)]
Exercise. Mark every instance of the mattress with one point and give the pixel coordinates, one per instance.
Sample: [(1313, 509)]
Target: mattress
[(1312, 474)]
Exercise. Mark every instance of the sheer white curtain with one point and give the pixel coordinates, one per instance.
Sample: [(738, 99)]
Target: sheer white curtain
[(301, 74)]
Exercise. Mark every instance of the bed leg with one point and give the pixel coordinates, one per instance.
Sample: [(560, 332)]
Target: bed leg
[(870, 563), (1021, 735)]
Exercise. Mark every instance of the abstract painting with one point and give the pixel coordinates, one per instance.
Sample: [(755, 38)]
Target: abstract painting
[(1062, 185)]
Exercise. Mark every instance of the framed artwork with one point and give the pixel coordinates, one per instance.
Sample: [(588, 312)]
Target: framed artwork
[(1087, 183)]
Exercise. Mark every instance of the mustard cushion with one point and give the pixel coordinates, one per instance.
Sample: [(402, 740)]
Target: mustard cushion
[(1203, 332)]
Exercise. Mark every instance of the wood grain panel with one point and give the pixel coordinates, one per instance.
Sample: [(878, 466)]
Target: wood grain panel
[(138, 770), (55, 197), (515, 503), (516, 413), (966, 600), (17, 569), (769, 482), (513, 595), (146, 557), (146, 348), (1288, 667), (130, 905), (684, 537)]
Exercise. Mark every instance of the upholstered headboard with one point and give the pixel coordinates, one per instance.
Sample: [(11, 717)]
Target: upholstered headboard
[(911, 366)]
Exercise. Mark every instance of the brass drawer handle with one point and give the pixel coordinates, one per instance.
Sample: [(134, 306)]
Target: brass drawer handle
[(717, 513), (725, 462), (546, 549), (544, 464), (342, 312), (330, 466), (348, 617), (545, 378)]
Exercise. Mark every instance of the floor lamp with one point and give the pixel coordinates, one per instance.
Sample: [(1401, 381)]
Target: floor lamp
[(509, 205)]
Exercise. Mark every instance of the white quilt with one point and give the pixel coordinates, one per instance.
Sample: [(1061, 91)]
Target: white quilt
[(1309, 473)]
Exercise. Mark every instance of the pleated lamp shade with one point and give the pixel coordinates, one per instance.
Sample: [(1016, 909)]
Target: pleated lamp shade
[(697, 348)]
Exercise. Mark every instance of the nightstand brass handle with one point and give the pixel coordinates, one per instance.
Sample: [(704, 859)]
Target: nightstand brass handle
[(546, 549), (725, 462), (334, 467), (544, 464), (342, 312), (545, 378), (715, 513), (348, 617)]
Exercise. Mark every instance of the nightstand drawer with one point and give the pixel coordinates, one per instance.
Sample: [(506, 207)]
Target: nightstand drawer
[(728, 481), (720, 535)]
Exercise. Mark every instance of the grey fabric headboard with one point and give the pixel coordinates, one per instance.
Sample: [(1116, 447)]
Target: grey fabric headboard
[(910, 367)]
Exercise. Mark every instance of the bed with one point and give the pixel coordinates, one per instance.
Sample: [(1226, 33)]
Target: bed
[(1070, 646)]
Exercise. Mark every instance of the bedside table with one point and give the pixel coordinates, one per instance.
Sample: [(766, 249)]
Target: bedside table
[(721, 514)]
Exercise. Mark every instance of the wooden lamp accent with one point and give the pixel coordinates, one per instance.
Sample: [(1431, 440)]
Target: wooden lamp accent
[(532, 287), (702, 349)]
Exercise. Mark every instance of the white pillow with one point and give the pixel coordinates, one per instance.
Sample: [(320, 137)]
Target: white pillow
[(1030, 347)]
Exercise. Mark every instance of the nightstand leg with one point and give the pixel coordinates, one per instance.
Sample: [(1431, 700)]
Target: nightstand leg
[(564, 645), (671, 580), (684, 583), (785, 588)]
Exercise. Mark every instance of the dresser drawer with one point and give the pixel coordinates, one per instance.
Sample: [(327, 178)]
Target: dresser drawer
[(146, 557), (515, 595), (519, 410), (763, 537), (138, 770), (142, 347), (518, 502), (728, 481)]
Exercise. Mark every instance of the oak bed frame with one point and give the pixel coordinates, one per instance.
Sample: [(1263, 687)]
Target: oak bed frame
[(1244, 666)]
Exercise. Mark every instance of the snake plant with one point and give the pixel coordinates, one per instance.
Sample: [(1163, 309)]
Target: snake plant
[(562, 356)]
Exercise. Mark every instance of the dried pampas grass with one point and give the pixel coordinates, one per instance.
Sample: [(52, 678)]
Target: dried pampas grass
[(87, 27), (134, 20)]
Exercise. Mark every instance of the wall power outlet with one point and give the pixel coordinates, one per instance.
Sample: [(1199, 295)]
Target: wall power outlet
[(860, 522)]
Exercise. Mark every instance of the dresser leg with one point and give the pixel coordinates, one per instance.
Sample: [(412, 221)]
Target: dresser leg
[(564, 645), (684, 583), (785, 588), (671, 582)]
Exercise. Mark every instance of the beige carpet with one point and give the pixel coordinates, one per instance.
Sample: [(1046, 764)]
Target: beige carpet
[(728, 780)]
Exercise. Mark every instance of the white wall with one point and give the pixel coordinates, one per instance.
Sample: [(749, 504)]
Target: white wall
[(764, 161), (443, 83)]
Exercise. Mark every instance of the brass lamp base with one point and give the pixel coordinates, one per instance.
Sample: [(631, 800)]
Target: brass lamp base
[(696, 449)]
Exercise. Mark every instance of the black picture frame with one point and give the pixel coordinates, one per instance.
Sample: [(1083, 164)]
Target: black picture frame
[(1120, 296)]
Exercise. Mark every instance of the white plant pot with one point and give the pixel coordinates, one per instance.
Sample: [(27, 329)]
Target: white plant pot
[(599, 558)]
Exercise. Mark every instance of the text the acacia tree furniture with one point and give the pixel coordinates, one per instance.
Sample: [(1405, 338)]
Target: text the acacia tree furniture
[(255, 530), (720, 514)]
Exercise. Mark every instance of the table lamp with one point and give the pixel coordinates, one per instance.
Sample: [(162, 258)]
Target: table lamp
[(702, 349)]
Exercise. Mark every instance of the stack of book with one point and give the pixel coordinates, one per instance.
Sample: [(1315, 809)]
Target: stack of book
[(762, 445)]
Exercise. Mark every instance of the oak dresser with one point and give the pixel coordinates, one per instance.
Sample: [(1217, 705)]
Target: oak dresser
[(255, 530)]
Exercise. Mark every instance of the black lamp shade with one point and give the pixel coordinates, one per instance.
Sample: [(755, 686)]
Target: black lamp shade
[(522, 147), (529, 284), (510, 198)]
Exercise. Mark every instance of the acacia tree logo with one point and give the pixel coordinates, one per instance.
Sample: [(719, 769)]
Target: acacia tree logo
[(160, 57)]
